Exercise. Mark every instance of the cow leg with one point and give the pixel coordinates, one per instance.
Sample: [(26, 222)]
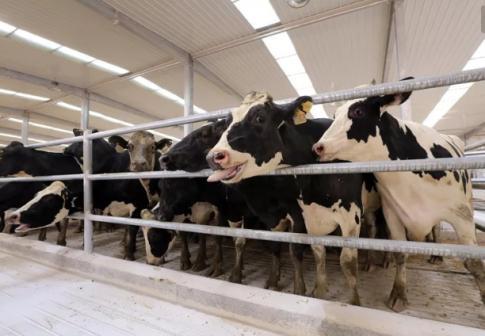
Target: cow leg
[(236, 273), (349, 262), (321, 287), (465, 230), (43, 234), (200, 263), (61, 236), (185, 263), (275, 272), (370, 222), (296, 253), (130, 246), (435, 238), (80, 227), (216, 268)]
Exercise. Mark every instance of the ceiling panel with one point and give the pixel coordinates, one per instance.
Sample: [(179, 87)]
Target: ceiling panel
[(288, 13)]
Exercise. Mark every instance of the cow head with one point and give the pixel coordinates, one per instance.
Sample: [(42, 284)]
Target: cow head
[(355, 133), (49, 206), (251, 144), (157, 241), (14, 160), (189, 154), (142, 148)]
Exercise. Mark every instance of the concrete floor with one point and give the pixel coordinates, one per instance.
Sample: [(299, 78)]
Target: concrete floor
[(66, 304), (444, 292)]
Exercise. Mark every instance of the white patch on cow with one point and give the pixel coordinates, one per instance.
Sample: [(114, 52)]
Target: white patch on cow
[(119, 209), (21, 173), (236, 224), (320, 220), (55, 188), (249, 166), (204, 213)]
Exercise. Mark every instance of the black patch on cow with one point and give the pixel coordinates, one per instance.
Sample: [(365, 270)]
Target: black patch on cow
[(357, 219), (455, 148), (456, 175), (44, 211), (365, 119), (159, 240), (370, 182)]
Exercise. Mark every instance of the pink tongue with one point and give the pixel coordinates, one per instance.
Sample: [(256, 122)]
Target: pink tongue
[(218, 175)]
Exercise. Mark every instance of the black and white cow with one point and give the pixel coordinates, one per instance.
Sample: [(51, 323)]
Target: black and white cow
[(413, 202), (17, 160), (264, 136)]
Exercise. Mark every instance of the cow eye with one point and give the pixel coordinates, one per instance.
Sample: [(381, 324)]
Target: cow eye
[(259, 119), (130, 146), (356, 113)]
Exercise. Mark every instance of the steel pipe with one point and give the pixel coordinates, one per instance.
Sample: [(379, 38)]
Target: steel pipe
[(188, 92), (24, 130), (65, 177), (475, 145), (56, 142), (446, 250), (323, 168), (87, 191)]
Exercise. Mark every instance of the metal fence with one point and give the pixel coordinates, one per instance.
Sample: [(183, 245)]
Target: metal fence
[(474, 161)]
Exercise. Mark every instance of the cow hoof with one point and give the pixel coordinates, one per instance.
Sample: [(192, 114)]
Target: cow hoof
[(236, 276), (185, 265), (435, 260), (319, 292), (369, 267), (214, 272), (61, 243), (129, 257), (397, 302), (387, 260), (355, 300), (199, 266)]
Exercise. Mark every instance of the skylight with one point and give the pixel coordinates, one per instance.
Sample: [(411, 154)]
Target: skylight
[(22, 95), (456, 92), (259, 13), (110, 119), (262, 14), (76, 55)]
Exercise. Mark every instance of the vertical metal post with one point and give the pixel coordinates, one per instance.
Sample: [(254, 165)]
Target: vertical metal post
[(401, 51), (87, 169), (85, 112), (24, 130), (188, 92)]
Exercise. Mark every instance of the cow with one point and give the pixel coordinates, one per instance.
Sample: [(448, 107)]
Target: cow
[(189, 155), (413, 202), (17, 160), (263, 136)]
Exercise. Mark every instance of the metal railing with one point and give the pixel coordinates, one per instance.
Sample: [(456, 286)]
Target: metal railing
[(470, 162)]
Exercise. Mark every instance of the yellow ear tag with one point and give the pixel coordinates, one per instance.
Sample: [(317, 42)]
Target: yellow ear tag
[(300, 114)]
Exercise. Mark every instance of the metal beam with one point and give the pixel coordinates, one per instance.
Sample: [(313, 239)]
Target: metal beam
[(305, 21), (71, 90), (24, 129), (474, 130), (188, 93), (155, 39), (85, 112), (6, 112), (389, 45)]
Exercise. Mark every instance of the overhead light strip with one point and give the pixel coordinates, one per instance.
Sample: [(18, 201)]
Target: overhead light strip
[(456, 92), (76, 55), (261, 14), (22, 95), (35, 124)]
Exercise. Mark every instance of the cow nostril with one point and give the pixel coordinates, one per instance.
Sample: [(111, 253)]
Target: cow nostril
[(318, 148), (219, 156)]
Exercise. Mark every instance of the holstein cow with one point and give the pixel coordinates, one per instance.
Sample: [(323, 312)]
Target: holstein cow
[(189, 155), (126, 198), (264, 136), (413, 202), (17, 160)]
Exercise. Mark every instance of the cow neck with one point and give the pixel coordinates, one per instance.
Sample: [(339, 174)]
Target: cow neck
[(298, 140), (41, 163)]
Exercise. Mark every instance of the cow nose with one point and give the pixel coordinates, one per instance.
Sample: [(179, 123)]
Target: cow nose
[(217, 159), (318, 148), (12, 218)]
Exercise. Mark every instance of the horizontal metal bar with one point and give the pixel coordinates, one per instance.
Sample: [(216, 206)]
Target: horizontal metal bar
[(56, 142), (475, 145), (65, 177), (324, 168), (446, 250), (475, 153), (373, 90), (478, 180)]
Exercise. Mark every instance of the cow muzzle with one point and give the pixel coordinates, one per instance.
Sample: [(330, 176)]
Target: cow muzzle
[(217, 159), (319, 149)]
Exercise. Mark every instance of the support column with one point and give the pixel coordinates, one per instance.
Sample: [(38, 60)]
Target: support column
[(85, 111), (188, 92), (24, 130), (87, 169), (401, 52)]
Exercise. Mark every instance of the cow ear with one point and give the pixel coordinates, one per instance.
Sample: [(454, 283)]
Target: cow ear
[(161, 144), (396, 98), (77, 131), (297, 110), (116, 140)]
